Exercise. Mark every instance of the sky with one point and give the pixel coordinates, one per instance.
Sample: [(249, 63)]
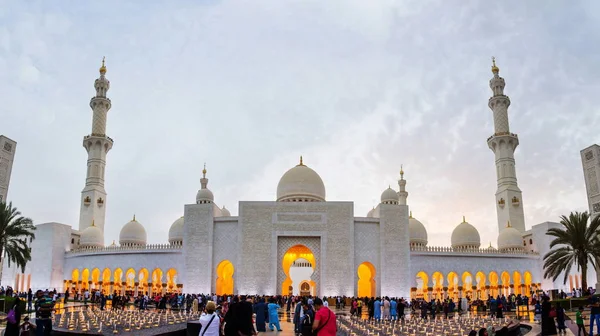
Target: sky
[(358, 88)]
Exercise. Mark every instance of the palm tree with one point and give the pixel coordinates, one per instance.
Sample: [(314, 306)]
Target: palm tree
[(577, 245), (16, 232)]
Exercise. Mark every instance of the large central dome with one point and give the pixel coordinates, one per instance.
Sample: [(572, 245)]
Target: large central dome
[(301, 184)]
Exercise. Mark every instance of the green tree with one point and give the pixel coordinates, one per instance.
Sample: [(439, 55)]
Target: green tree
[(16, 232), (577, 245)]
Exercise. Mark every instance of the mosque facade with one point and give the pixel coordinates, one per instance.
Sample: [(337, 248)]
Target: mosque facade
[(300, 243)]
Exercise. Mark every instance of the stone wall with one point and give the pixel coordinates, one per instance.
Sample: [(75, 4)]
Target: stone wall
[(198, 241), (225, 248), (366, 249)]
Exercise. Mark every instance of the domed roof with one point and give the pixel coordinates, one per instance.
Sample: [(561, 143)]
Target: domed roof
[(510, 238), (176, 231), (133, 233), (389, 196), (465, 235), (92, 236), (417, 232), (371, 212), (225, 212), (301, 184), (204, 195)]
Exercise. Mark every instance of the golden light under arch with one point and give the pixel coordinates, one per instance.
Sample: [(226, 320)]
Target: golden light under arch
[(425, 282), (106, 280), (494, 283), (130, 279), (292, 254), (367, 286), (157, 275), (224, 282), (171, 280), (85, 275)]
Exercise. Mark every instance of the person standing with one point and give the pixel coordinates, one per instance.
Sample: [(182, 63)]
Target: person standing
[(325, 320), (548, 326), (394, 309), (594, 315), (209, 321), (560, 318), (273, 317), (13, 319), (386, 308), (29, 300), (308, 318), (260, 309), (43, 313), (298, 316), (579, 317), (377, 309)]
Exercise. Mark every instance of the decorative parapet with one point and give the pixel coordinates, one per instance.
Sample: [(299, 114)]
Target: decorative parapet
[(450, 250), (127, 248)]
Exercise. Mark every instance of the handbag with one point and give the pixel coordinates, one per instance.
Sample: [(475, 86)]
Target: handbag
[(552, 313)]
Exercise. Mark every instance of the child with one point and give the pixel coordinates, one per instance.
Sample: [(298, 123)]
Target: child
[(579, 317), (25, 327)]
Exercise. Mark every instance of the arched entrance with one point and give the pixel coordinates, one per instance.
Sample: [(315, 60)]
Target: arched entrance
[(305, 289), (366, 280), (224, 281), (298, 265)]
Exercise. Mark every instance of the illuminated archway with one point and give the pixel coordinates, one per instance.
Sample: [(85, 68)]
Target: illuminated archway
[(85, 278), (422, 284), (130, 279), (467, 284), (453, 285), (172, 280), (517, 282), (292, 254), (505, 278), (305, 289), (438, 284), (366, 280), (157, 276), (95, 278), (118, 279), (106, 281), (224, 283), (494, 280), (143, 281), (528, 282), (480, 278), (75, 279)]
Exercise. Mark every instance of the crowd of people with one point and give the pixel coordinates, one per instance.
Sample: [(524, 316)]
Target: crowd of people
[(247, 315)]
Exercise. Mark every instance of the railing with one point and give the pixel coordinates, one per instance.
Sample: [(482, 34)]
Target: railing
[(503, 133), (446, 249), (126, 248)]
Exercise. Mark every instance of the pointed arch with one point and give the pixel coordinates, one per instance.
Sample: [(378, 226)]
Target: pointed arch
[(366, 285), (422, 284), (453, 284), (224, 282), (85, 278), (438, 284), (494, 283)]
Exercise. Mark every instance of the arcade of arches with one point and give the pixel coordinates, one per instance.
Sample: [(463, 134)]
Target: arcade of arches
[(124, 281), (479, 285)]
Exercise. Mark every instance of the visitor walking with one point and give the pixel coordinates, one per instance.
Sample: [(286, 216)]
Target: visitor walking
[(560, 318), (594, 314), (548, 326), (308, 318), (260, 309), (273, 316), (13, 319), (579, 317)]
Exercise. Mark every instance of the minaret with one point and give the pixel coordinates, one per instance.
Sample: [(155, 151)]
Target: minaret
[(402, 194), (97, 145), (509, 202)]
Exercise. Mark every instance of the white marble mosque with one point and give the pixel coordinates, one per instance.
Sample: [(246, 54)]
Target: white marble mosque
[(311, 245)]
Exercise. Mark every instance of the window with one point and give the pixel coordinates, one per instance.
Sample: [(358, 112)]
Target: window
[(72, 240), (530, 241), (524, 243), (7, 147)]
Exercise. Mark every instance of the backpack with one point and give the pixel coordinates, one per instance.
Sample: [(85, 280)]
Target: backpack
[(11, 317)]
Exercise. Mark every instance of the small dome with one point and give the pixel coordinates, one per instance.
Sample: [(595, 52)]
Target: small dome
[(510, 238), (465, 236), (371, 213), (92, 236), (204, 196), (225, 212), (389, 196), (417, 231), (176, 231), (301, 184), (133, 233)]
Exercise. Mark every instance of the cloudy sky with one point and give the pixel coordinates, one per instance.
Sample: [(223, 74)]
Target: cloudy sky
[(356, 87)]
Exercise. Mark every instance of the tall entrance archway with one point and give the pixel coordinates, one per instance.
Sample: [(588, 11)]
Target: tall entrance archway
[(367, 287), (298, 266), (224, 283)]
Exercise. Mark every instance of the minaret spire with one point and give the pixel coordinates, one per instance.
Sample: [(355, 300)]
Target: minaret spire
[(204, 180), (402, 194), (509, 203), (97, 145)]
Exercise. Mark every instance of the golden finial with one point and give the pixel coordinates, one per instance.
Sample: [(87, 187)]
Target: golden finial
[(495, 69), (401, 172), (410, 215), (490, 244), (204, 171), (508, 224), (103, 67), (93, 223), (114, 242), (134, 218), (301, 162), (464, 221)]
